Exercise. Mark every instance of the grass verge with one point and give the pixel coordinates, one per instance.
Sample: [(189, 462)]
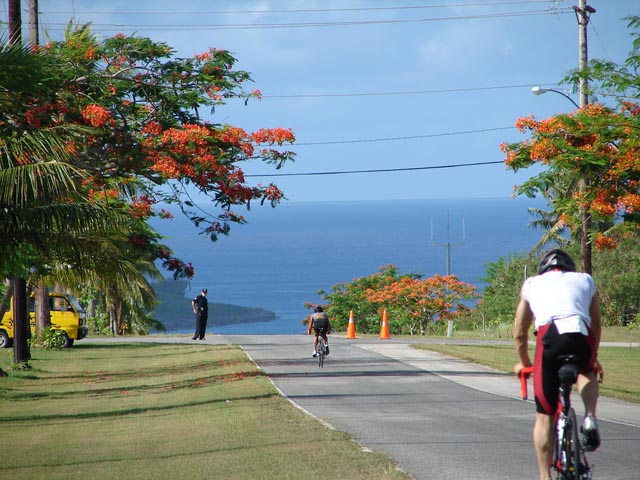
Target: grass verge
[(151, 411), (622, 375)]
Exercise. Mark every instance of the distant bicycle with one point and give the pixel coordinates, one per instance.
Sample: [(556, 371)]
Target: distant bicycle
[(569, 461), (321, 348)]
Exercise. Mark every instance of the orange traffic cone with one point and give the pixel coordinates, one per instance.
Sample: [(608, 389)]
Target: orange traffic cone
[(351, 329), (384, 329)]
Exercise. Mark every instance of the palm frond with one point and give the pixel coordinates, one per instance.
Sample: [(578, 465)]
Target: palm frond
[(20, 70), (552, 235), (37, 184), (71, 219)]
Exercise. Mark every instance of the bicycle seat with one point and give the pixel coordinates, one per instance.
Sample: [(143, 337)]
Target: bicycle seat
[(568, 373), (571, 358)]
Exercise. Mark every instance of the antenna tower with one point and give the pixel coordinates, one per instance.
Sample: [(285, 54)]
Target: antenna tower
[(448, 243)]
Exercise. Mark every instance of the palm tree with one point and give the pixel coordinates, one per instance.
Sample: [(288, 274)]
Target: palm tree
[(46, 221), (554, 227), (558, 187)]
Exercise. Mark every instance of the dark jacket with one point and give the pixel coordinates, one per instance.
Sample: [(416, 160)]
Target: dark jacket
[(201, 305)]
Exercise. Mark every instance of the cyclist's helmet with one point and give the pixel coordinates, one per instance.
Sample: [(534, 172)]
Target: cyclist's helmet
[(318, 309), (559, 259)]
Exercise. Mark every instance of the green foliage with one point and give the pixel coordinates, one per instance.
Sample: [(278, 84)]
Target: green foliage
[(616, 273), (590, 157), (51, 340), (352, 296), (99, 324), (608, 78), (504, 278), (113, 127), (414, 306), (617, 276)]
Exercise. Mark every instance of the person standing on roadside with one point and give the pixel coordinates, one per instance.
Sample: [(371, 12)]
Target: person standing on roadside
[(201, 309), (565, 308)]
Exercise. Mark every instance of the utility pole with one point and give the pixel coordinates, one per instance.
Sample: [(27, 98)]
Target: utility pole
[(34, 38), (583, 12), (15, 23)]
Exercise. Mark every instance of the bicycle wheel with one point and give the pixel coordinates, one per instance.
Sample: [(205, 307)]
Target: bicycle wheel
[(566, 452), (320, 352), (573, 451)]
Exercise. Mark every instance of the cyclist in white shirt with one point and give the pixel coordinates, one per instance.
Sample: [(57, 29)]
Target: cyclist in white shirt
[(565, 307)]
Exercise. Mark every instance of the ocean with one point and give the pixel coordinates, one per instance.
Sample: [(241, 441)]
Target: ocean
[(284, 255)]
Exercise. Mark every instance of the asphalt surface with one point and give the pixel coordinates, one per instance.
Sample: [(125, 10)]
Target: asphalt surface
[(436, 416)]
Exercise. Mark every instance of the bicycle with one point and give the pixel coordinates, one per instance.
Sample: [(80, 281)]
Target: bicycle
[(321, 348), (569, 461)]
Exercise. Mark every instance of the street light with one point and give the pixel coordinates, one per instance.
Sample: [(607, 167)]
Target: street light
[(540, 91)]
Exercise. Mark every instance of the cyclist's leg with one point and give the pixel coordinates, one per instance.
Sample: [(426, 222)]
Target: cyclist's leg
[(546, 384), (543, 441), (546, 387), (589, 389), (587, 381), (326, 343), (315, 343)]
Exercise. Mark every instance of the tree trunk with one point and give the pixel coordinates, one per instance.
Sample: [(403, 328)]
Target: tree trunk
[(113, 319), (585, 243), (91, 308), (34, 38), (43, 311), (21, 329), (15, 22)]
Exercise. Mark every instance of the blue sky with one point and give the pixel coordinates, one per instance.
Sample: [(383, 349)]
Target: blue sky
[(368, 84)]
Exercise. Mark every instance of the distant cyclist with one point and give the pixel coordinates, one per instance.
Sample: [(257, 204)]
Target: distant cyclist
[(320, 324), (565, 307)]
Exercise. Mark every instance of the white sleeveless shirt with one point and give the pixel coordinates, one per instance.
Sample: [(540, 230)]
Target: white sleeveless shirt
[(561, 297)]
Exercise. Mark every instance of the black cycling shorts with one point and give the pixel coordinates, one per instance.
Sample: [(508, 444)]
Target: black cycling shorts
[(321, 323), (549, 346)]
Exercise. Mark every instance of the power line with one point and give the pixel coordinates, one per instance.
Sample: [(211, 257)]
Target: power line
[(254, 26), (381, 170), (410, 137), (410, 92), (308, 10)]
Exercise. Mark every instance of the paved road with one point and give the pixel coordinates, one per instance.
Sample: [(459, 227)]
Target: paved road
[(438, 417)]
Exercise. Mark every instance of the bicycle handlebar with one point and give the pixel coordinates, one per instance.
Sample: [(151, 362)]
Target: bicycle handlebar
[(524, 375)]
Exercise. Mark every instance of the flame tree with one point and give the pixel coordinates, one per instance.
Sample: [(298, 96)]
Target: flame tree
[(134, 136), (150, 141), (414, 304), (598, 145)]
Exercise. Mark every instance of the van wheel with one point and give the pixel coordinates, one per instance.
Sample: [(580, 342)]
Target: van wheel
[(5, 341), (68, 342)]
